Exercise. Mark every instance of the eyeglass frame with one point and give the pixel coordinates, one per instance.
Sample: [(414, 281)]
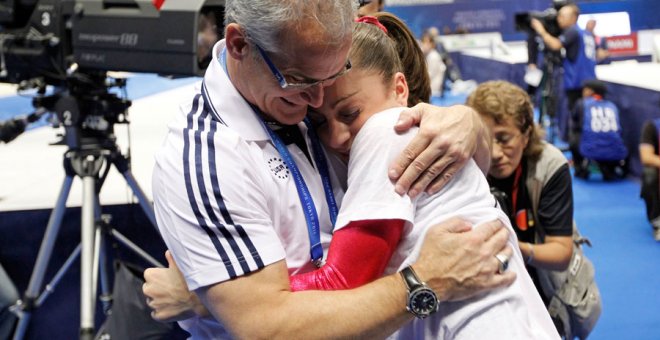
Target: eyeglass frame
[(285, 85)]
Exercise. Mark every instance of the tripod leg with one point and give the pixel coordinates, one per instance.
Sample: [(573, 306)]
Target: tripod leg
[(87, 297), (96, 258), (146, 207), (132, 246), (122, 166), (142, 198), (106, 294), (50, 286), (45, 251)]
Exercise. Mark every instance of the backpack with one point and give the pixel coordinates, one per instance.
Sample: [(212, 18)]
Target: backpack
[(129, 316), (574, 296)]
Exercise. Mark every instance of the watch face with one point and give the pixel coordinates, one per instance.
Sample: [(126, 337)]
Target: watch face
[(423, 302)]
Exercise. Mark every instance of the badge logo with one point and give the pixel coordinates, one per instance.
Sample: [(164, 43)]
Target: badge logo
[(278, 167)]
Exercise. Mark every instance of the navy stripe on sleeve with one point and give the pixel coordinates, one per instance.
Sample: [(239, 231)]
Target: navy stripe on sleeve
[(191, 196), (199, 166), (221, 204)]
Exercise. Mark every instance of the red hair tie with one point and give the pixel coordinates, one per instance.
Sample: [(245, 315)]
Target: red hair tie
[(368, 19)]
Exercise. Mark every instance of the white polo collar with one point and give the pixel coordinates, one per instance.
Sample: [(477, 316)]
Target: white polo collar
[(227, 104)]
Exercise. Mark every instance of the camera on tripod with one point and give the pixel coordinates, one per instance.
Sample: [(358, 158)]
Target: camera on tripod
[(42, 38), (548, 17), (71, 44), (64, 49)]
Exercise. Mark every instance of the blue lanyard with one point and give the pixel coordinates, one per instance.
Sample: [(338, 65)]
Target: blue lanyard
[(319, 158), (309, 209)]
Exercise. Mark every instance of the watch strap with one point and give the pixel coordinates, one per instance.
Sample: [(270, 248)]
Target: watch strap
[(410, 278)]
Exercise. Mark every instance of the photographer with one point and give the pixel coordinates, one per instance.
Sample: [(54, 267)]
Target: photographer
[(531, 180), (579, 46)]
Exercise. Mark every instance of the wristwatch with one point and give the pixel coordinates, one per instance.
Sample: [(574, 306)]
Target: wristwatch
[(422, 300)]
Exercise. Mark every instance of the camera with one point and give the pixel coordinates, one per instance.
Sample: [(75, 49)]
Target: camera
[(71, 44), (502, 199), (548, 17), (42, 38)]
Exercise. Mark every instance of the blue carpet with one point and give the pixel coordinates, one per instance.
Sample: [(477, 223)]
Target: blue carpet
[(625, 255)]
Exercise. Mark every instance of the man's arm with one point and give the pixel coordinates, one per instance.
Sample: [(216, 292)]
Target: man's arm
[(647, 155), (448, 137), (455, 263), (647, 152), (601, 54), (549, 40), (358, 254), (263, 298)]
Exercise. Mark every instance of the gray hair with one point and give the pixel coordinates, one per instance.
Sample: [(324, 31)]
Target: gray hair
[(267, 22)]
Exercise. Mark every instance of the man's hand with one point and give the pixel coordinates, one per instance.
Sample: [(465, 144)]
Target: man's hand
[(167, 293), (537, 26), (458, 263), (550, 41), (447, 139)]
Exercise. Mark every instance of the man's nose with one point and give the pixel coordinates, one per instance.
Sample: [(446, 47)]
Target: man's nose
[(314, 95)]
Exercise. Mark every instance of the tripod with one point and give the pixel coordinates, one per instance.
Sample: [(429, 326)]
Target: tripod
[(548, 107), (84, 158)]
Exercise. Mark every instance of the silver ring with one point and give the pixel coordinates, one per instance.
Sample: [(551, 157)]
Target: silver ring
[(503, 263)]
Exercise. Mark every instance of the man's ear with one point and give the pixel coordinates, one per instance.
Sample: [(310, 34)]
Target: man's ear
[(401, 89), (236, 40)]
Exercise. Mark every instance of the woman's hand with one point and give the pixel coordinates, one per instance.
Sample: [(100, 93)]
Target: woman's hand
[(448, 137)]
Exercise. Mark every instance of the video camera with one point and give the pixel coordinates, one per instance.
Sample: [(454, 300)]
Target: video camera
[(71, 44), (42, 38), (548, 17)]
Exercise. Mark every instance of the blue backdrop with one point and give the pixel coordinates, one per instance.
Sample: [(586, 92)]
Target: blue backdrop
[(498, 15)]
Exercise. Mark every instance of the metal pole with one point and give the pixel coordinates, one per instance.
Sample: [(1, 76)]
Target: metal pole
[(87, 231), (28, 303)]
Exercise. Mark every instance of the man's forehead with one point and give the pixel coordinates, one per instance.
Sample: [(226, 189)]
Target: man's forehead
[(310, 33), (566, 11), (313, 55)]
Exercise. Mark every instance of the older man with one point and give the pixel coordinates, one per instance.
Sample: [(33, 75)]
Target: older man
[(238, 176)]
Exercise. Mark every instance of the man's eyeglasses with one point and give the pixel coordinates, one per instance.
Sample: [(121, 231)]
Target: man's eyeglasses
[(294, 84), (506, 141)]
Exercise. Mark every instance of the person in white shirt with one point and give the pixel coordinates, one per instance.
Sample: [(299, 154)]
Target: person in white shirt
[(231, 196), (434, 63), (353, 122), (380, 231)]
